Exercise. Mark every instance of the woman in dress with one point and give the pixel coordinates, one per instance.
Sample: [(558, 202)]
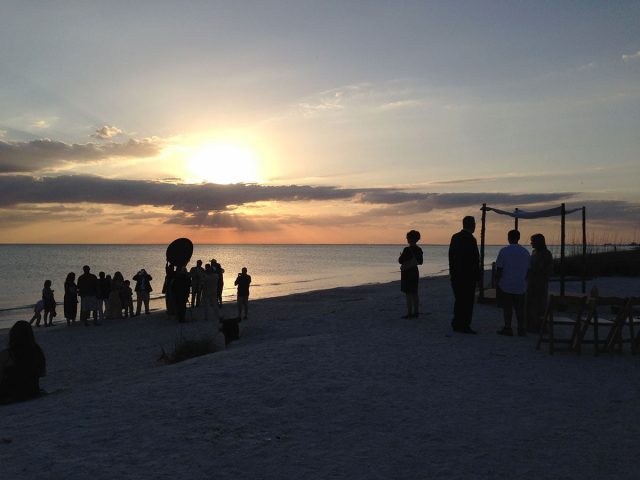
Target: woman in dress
[(21, 365), (409, 260), (540, 269), (70, 298), (114, 301)]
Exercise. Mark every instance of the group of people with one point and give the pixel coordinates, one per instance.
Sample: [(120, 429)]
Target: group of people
[(204, 285), (102, 296), (522, 279)]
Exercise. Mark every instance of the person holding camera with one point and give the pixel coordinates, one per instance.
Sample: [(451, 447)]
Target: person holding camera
[(143, 289), (242, 282)]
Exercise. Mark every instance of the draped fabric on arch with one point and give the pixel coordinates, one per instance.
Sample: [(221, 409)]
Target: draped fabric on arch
[(517, 213)]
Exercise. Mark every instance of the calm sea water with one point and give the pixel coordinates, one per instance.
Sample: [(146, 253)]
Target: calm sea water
[(275, 269)]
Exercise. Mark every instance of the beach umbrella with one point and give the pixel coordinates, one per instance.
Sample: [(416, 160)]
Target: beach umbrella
[(179, 252)]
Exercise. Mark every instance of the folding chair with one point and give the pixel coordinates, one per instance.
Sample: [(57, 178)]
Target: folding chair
[(564, 316), (633, 321), (604, 312)]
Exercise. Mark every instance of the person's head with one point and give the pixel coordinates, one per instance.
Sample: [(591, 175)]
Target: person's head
[(199, 263), (207, 268), (413, 236), (244, 270), (513, 236), (101, 274), (538, 241), (469, 223), (47, 284), (86, 269), (127, 283), (21, 336), (70, 277)]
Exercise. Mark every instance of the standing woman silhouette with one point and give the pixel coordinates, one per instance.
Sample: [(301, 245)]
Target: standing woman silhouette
[(409, 260)]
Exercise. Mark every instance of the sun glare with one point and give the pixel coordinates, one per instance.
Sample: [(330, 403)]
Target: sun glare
[(222, 162)]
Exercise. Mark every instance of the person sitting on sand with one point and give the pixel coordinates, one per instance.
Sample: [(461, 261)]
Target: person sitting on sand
[(49, 302), (409, 260), (512, 266), (21, 365), (242, 282)]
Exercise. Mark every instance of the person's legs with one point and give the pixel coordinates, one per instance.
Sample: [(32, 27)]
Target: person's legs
[(518, 305), (138, 302), (146, 303), (415, 300), (100, 309), (245, 303)]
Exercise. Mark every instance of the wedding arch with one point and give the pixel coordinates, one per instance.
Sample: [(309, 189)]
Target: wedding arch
[(518, 214)]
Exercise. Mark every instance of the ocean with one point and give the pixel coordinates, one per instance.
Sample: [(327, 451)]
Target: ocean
[(276, 270)]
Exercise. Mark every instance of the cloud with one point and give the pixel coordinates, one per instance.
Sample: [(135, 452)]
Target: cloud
[(216, 206), (20, 157), (107, 132), (632, 57)]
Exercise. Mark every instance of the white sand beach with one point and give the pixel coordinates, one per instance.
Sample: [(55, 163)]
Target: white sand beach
[(327, 384)]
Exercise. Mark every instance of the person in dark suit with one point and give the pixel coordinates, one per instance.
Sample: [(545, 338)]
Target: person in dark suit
[(464, 272)]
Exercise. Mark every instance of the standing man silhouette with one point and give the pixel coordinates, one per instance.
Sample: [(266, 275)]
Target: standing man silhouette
[(464, 272)]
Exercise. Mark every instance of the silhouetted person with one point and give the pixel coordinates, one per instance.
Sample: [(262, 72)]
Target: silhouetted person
[(220, 271), (197, 278), (49, 304), (126, 298), (180, 286), (37, 312), (21, 365), (210, 292), (143, 290), (104, 288), (512, 265), (540, 269), (409, 260), (243, 281), (70, 298), (114, 304), (88, 290), (464, 272)]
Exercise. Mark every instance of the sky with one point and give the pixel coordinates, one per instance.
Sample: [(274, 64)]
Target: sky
[(316, 122)]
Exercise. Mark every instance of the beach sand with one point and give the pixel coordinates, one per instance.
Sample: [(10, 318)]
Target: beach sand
[(327, 384)]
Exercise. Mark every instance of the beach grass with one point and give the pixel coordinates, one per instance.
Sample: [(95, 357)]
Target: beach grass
[(603, 263)]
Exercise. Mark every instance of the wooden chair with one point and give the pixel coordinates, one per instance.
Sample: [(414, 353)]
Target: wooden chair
[(604, 313), (633, 322), (563, 315)]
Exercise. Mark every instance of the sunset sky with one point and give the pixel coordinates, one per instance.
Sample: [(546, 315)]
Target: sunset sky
[(315, 121)]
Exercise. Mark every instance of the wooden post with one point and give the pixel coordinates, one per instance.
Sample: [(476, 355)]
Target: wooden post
[(482, 239), (562, 239), (584, 249), (516, 217)]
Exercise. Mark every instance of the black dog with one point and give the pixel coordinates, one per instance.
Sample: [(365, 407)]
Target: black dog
[(230, 329)]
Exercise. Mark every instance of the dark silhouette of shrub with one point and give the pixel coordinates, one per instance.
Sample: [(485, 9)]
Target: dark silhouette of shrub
[(186, 349)]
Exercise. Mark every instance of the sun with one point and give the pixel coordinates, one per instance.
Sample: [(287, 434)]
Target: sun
[(222, 162)]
